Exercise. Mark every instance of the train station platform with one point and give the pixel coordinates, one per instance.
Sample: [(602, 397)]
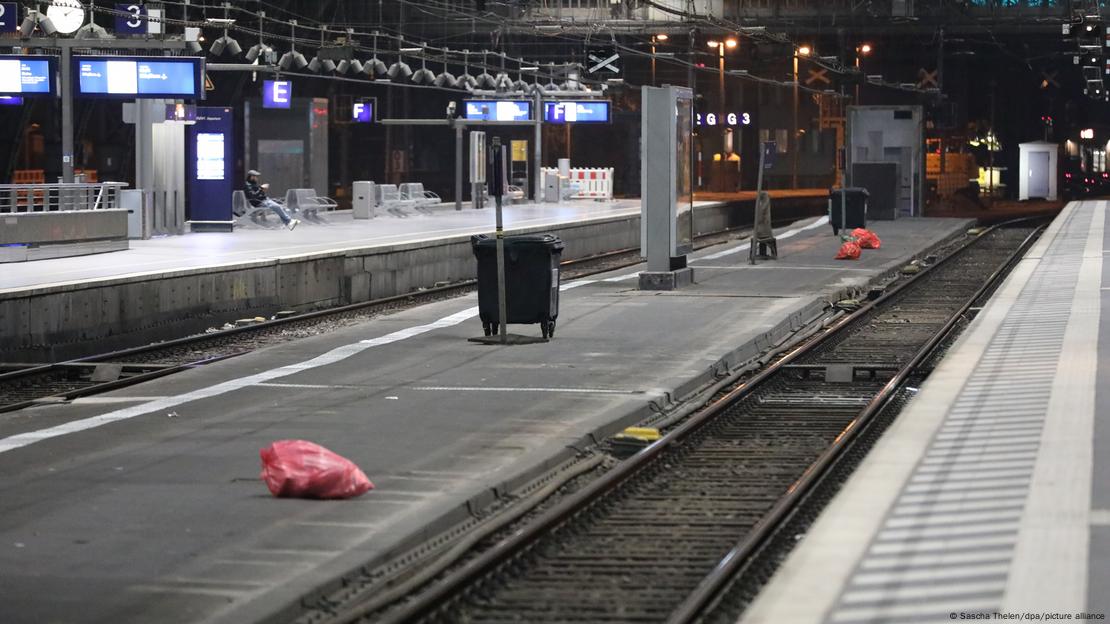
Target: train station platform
[(989, 496), (144, 504), (171, 286)]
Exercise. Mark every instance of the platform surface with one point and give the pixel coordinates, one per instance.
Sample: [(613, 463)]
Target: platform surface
[(990, 494), (145, 504), (339, 231)]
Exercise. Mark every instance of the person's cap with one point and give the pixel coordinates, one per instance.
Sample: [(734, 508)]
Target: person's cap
[(252, 172)]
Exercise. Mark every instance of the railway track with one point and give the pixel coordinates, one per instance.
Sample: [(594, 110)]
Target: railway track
[(659, 535), (27, 385)]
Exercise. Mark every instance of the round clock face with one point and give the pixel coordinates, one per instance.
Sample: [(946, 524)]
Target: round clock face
[(67, 15)]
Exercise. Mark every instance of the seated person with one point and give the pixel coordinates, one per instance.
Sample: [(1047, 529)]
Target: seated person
[(256, 195)]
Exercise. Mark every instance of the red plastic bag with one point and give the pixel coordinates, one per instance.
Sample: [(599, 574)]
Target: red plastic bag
[(867, 239), (301, 469), (848, 251)]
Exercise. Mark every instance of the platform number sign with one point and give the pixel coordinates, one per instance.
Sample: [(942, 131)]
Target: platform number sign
[(131, 19), (9, 16)]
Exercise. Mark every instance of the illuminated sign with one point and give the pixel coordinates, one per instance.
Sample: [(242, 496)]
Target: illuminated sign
[(139, 77), (727, 119), (363, 112), (499, 110), (26, 75), (9, 16), (210, 156), (277, 93), (130, 19), (11, 100), (576, 112), (1089, 133)]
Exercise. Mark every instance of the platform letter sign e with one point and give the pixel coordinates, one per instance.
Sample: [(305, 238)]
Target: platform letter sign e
[(9, 14), (134, 23), (276, 93)]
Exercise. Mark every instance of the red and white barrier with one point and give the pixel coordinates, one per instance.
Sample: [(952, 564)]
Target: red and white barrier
[(590, 183)]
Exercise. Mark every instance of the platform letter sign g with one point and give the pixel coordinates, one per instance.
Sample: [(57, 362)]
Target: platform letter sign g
[(9, 13)]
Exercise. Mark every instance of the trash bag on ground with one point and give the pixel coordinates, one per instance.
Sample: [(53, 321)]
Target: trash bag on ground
[(302, 469), (866, 238), (848, 251)]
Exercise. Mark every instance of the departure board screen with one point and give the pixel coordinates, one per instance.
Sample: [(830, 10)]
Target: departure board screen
[(499, 110), (140, 77), (578, 111), (26, 75)]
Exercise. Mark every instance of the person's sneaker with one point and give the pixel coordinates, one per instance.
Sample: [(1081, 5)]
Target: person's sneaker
[(293, 223)]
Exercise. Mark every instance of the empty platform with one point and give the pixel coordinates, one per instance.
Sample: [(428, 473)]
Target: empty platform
[(145, 505), (989, 496), (171, 286)]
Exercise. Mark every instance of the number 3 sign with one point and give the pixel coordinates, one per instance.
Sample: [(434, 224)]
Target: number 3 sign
[(134, 23)]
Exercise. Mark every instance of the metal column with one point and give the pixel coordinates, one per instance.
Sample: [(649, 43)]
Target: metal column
[(67, 114), (537, 148), (458, 165)]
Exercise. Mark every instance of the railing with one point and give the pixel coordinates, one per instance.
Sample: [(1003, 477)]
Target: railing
[(589, 183), (26, 198)]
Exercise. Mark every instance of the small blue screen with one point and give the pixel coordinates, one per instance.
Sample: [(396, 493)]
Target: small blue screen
[(576, 112)]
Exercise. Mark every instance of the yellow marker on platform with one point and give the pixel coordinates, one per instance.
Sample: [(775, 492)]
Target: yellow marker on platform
[(646, 434)]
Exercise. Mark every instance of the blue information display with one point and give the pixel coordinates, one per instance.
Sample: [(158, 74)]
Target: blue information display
[(499, 110), (11, 100), (362, 111), (277, 93), (576, 111), (140, 77), (26, 75), (210, 167)]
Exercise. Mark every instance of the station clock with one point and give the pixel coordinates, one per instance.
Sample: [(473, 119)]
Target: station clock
[(67, 15)]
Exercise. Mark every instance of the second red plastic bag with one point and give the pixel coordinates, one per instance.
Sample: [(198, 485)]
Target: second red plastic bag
[(867, 239), (302, 469)]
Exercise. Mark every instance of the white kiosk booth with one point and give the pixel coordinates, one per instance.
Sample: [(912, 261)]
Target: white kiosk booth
[(1037, 170)]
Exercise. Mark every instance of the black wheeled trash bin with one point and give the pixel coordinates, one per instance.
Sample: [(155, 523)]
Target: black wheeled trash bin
[(847, 208), (531, 280)]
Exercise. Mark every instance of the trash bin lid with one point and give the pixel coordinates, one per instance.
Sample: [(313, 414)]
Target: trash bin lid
[(524, 240), (850, 190)]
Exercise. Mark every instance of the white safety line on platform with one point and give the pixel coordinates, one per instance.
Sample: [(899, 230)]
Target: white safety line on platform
[(108, 400), (787, 234)]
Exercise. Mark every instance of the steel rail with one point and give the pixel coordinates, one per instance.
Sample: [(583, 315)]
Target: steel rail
[(743, 551), (441, 593)]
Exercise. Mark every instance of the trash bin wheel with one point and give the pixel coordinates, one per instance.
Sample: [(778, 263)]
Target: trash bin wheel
[(487, 328), (547, 328)]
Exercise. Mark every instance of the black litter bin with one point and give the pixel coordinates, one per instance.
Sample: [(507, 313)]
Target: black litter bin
[(847, 208), (531, 280)]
